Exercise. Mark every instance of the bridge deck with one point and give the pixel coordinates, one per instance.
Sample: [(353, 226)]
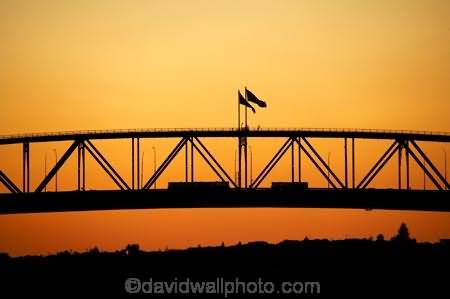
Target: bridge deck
[(387, 199), (228, 132)]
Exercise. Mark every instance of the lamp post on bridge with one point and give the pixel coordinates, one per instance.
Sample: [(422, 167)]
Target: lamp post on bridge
[(56, 177)]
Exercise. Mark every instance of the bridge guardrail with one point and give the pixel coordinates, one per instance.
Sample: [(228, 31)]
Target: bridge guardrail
[(287, 130)]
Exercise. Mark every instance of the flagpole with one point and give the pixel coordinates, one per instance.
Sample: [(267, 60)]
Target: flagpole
[(239, 113), (245, 140)]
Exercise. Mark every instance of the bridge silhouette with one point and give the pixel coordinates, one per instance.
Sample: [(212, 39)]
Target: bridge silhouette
[(228, 192)]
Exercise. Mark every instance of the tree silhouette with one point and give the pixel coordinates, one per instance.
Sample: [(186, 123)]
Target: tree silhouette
[(403, 234), (132, 249), (380, 238)]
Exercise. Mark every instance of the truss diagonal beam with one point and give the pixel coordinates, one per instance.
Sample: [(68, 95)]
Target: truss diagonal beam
[(375, 169), (166, 163), (57, 166), (105, 161), (424, 168), (380, 164), (217, 164), (278, 155), (101, 160), (9, 183), (436, 171), (310, 157), (323, 162), (208, 162), (397, 148)]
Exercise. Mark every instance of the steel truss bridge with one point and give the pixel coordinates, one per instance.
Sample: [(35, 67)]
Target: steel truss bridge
[(136, 194)]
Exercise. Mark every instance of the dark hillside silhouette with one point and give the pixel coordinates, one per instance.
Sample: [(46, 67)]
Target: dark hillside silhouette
[(350, 267)]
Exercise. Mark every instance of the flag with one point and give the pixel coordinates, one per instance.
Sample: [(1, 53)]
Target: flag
[(252, 98), (244, 102)]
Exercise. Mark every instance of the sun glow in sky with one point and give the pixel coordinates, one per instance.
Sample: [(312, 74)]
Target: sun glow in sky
[(106, 64)]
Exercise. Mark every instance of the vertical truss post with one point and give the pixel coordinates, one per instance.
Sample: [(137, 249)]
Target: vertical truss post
[(299, 160), (186, 162), (138, 173), (81, 167), (189, 161), (240, 161), (83, 156), (192, 159), (26, 167), (133, 161), (245, 158), (353, 163), (407, 165), (251, 166), (292, 162), (345, 163), (400, 147), (135, 168)]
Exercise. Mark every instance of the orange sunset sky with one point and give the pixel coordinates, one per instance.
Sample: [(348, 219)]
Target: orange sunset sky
[(106, 64)]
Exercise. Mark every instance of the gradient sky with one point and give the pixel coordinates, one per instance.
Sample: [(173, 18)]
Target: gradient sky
[(105, 64)]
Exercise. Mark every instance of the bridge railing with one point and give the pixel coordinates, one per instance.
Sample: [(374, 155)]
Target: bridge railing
[(272, 129)]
